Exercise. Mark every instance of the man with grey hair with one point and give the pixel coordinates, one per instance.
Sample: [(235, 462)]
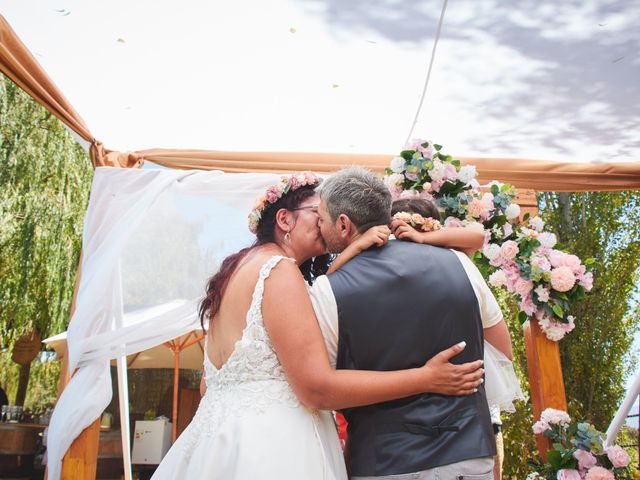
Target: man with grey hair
[(395, 307)]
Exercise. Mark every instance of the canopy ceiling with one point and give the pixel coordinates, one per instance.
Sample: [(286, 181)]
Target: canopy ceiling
[(518, 80)]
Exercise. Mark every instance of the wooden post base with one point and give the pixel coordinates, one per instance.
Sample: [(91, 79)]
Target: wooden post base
[(81, 460), (545, 376)]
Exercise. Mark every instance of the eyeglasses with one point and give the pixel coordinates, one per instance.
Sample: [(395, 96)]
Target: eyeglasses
[(313, 208)]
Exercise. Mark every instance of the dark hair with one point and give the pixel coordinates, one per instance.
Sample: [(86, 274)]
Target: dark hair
[(217, 284), (416, 205)]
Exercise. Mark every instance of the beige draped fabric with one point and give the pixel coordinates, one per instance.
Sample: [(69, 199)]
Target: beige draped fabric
[(20, 66)]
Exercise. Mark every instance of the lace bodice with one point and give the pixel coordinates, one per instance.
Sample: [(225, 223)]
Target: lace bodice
[(253, 358), (251, 379)]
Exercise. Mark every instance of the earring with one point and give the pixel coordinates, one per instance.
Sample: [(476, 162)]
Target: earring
[(287, 237)]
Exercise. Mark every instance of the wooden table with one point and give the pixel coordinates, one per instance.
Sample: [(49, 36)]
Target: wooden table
[(18, 445)]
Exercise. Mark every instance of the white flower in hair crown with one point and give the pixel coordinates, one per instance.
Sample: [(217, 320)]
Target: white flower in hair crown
[(288, 183)]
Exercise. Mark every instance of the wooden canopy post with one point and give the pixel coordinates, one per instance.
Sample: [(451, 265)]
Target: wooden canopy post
[(81, 460), (543, 355)]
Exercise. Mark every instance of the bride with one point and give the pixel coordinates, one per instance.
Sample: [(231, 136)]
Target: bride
[(270, 389)]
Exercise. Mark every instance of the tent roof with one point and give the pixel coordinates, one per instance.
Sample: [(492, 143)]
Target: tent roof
[(525, 80)]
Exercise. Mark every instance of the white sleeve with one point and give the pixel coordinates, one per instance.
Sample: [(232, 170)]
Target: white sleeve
[(326, 308), (489, 308)]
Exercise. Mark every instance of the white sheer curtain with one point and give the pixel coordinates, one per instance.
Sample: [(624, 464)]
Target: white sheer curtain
[(151, 239)]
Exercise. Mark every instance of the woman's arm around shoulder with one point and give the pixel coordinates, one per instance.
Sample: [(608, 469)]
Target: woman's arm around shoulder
[(296, 337)]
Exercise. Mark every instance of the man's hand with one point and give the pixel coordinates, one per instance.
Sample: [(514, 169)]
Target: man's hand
[(445, 378)]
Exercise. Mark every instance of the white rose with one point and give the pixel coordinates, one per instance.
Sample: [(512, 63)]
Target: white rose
[(498, 279), (536, 223), (467, 173), (491, 251), (477, 226), (543, 294), (438, 171), (547, 239), (512, 211), (393, 180), (398, 164)]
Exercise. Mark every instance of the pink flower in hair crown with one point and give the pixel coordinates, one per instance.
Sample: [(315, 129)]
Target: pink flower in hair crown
[(288, 183)]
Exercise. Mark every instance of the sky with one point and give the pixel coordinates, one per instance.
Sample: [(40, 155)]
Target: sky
[(524, 78)]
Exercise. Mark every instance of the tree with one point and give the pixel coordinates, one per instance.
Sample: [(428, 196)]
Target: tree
[(44, 186), (596, 356)]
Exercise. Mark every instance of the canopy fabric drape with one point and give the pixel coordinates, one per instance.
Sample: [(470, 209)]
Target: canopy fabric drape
[(151, 240), (21, 66)]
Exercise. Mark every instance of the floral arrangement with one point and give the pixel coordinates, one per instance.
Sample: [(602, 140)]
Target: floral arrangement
[(519, 256), (578, 451), (275, 192), (417, 221)]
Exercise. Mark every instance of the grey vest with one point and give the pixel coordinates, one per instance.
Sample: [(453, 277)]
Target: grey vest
[(398, 306)]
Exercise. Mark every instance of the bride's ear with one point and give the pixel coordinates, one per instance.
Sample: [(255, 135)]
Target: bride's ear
[(285, 220)]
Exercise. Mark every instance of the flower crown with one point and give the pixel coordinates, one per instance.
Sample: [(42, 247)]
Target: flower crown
[(288, 183), (417, 221)]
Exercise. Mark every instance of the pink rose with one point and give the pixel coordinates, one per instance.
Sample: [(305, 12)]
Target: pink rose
[(599, 473), (411, 176), (586, 280), (573, 262), (586, 460), (295, 183), (408, 194), (509, 249), (436, 184), (310, 177), (272, 195), (568, 475), (540, 427), (541, 263), (527, 305), (452, 222), (618, 456), (450, 172), (508, 229), (562, 279), (425, 195), (523, 287), (555, 256)]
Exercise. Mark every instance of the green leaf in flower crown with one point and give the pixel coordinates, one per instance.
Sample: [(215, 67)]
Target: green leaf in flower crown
[(456, 163), (425, 145), (441, 156), (526, 216), (557, 309), (437, 147), (589, 261), (495, 190)]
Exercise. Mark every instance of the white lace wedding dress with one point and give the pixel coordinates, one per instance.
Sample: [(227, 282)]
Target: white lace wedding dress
[(249, 424)]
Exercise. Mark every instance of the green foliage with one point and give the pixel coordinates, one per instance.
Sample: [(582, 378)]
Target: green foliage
[(44, 187), (596, 357)]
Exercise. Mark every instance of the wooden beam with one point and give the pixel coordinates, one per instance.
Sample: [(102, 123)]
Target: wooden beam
[(545, 376), (81, 460)]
